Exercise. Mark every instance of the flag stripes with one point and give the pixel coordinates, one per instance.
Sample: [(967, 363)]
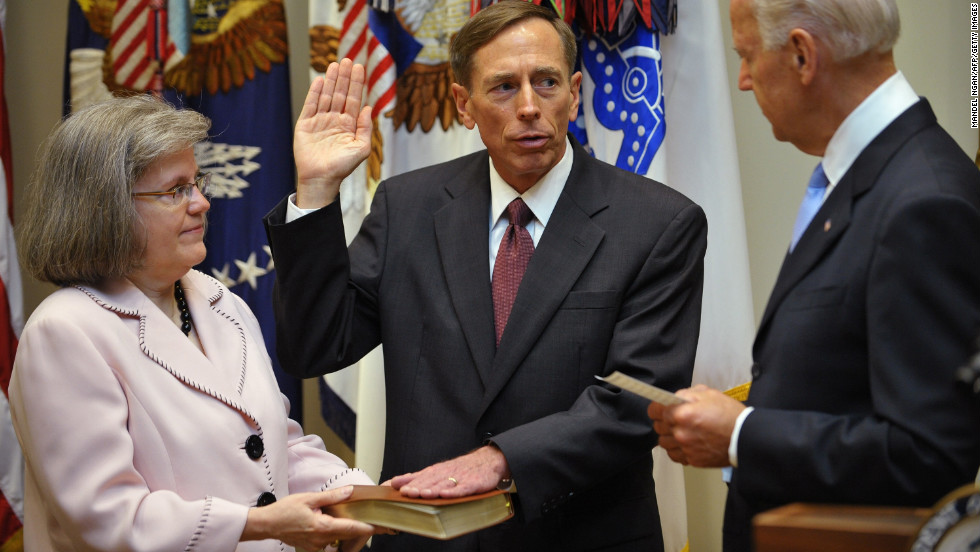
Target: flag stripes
[(131, 60), (11, 323), (359, 43), (139, 43), (353, 34), (381, 77)]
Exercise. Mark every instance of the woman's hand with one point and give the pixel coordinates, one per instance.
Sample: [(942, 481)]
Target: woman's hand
[(298, 521)]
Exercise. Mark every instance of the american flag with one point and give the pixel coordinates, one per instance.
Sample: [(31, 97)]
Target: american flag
[(140, 47), (11, 322), (359, 42)]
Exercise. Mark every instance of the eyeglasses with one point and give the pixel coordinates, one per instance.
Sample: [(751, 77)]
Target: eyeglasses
[(183, 192)]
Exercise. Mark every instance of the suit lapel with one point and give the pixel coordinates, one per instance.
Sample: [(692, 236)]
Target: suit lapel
[(564, 250), (163, 342), (462, 234), (834, 216), (826, 228)]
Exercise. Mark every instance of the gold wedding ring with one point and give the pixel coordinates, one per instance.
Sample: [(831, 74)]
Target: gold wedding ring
[(453, 481)]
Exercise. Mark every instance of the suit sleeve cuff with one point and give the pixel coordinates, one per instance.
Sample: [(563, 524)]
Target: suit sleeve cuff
[(293, 212)]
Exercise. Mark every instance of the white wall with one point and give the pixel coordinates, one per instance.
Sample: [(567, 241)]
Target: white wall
[(934, 53)]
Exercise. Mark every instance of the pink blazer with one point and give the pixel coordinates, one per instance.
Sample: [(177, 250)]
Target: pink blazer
[(134, 440)]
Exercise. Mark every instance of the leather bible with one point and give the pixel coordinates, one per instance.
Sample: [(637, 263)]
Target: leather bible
[(437, 518)]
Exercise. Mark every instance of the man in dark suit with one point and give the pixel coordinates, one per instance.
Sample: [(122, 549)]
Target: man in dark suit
[(613, 283), (853, 398)]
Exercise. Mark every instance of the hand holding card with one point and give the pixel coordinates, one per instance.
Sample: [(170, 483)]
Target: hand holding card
[(642, 389)]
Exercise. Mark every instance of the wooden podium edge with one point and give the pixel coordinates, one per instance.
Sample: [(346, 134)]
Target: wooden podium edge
[(802, 527)]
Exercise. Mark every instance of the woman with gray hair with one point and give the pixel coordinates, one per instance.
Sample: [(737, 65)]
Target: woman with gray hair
[(142, 392)]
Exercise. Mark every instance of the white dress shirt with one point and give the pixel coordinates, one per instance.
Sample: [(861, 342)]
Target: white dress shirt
[(540, 198)]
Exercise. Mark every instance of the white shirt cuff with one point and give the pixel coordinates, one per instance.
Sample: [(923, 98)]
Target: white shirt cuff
[(293, 212), (733, 443)]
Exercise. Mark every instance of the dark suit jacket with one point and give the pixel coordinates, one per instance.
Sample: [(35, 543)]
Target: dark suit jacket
[(853, 380), (614, 284)]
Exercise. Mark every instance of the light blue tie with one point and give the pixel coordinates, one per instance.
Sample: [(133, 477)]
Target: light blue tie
[(811, 203)]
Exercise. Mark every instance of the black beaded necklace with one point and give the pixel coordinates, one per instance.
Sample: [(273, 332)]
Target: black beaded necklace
[(185, 315)]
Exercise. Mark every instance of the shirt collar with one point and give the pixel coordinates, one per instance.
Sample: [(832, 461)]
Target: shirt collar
[(541, 198), (892, 98)]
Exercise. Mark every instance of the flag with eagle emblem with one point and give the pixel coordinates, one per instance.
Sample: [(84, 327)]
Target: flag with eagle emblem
[(227, 60)]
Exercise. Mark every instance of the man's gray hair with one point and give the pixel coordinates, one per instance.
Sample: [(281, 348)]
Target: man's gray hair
[(81, 225), (849, 27)]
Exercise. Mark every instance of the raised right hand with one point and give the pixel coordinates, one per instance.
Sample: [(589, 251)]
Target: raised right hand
[(332, 135)]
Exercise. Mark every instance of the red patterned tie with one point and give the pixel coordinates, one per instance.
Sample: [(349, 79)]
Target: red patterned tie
[(513, 255)]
